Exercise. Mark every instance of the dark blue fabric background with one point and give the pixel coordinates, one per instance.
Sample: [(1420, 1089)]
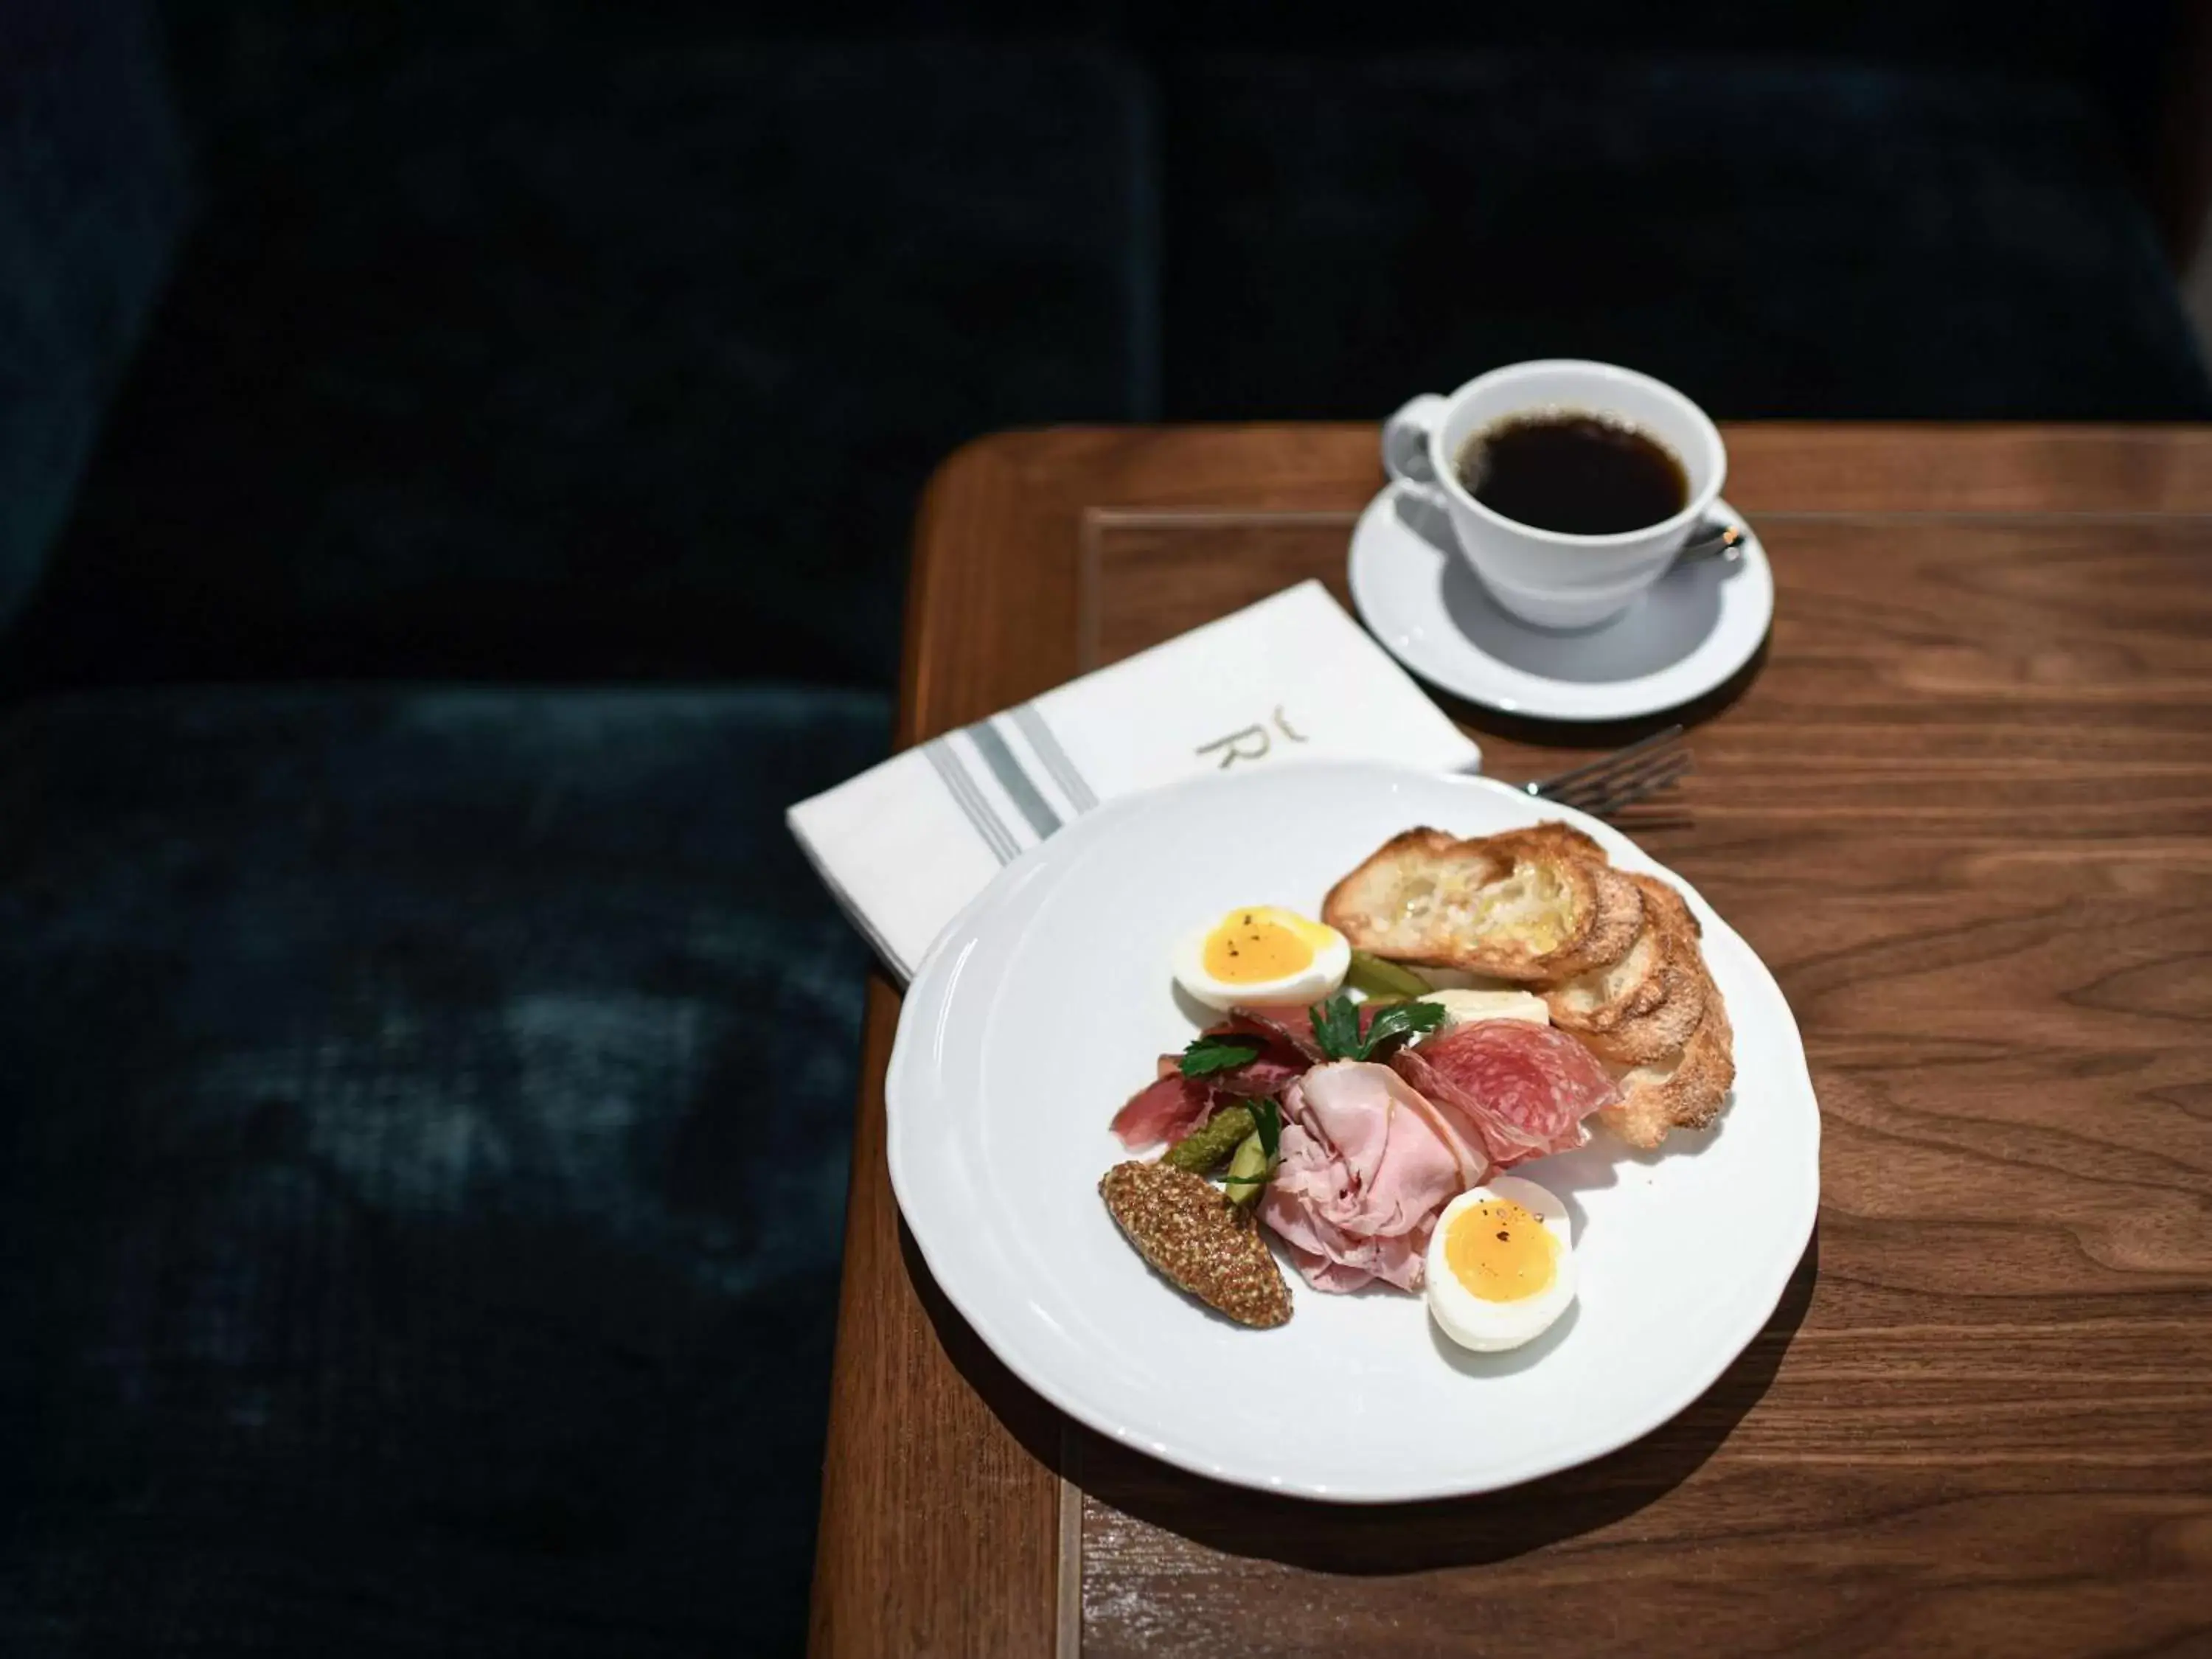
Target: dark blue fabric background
[(424, 1169), (558, 364), (92, 192), (1777, 238)]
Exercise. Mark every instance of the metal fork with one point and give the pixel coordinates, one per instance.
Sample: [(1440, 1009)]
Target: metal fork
[(1610, 782)]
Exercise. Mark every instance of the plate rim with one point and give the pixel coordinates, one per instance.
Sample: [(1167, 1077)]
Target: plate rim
[(1014, 878), (1621, 707)]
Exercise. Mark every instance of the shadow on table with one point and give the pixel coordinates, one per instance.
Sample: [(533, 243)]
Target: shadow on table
[(1603, 734), (1671, 810), (1402, 1538), (1458, 1532), (1028, 1416)]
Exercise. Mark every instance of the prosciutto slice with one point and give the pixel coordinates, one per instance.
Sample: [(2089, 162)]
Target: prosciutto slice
[(1366, 1164), (1173, 1105), (1522, 1089), (1167, 1109), (1291, 1026)]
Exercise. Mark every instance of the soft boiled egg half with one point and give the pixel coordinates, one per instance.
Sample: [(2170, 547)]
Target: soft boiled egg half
[(1258, 954), (1501, 1265)]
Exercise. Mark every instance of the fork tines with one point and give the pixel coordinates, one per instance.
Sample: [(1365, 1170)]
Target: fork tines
[(1613, 781)]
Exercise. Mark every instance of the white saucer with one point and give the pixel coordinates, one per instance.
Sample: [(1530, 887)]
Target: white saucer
[(1697, 625)]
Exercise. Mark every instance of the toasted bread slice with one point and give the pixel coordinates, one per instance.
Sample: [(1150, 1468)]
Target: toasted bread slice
[(1530, 904), (1617, 907), (1683, 1091), (1553, 836), (1645, 1006), (1616, 919)]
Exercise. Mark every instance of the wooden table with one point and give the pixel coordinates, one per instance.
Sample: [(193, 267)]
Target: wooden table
[(1963, 807)]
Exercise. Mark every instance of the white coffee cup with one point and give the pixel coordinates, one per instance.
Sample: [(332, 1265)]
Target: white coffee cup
[(1549, 577)]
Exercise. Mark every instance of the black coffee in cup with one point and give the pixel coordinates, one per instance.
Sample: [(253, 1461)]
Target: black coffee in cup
[(1579, 474)]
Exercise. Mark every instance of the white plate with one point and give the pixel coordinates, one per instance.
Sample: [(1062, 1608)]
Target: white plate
[(1046, 1003), (1697, 625)]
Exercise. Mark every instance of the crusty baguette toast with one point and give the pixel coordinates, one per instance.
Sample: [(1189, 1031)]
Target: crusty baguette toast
[(1616, 956), (1527, 905), (1551, 836), (1682, 1090), (1616, 915), (1616, 918), (1646, 1005)]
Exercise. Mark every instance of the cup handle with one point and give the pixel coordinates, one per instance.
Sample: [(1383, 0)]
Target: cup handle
[(1406, 444)]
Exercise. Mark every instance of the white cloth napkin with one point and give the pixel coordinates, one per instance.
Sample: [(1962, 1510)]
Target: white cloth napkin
[(906, 844)]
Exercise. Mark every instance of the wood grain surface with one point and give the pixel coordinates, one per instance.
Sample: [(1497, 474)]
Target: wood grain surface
[(1962, 805)]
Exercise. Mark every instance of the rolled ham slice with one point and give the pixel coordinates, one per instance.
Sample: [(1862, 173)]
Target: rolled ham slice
[(1520, 1089), (1366, 1164)]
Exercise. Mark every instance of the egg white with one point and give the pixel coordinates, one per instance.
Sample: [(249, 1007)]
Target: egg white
[(1319, 978), (1494, 1326)]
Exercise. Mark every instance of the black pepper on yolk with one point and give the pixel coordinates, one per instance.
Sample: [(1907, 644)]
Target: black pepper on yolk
[(1260, 942), (1501, 1251)]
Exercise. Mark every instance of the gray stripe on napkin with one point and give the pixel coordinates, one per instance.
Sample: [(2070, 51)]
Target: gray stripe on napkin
[(1031, 718), (970, 800), (1011, 778)]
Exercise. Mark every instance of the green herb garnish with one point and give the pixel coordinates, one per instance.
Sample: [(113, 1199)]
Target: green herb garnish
[(1267, 1124), (1336, 1026), (1403, 1020), (1207, 1054)]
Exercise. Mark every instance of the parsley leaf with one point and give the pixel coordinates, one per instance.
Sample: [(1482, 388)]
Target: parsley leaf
[(1336, 1028), (1403, 1019), (1207, 1054), (1268, 1123)]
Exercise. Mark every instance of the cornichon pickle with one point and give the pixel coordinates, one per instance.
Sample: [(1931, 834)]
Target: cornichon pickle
[(1201, 1149), (1248, 1170), (1379, 978)]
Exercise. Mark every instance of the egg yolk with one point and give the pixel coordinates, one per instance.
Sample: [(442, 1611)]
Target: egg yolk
[(1500, 1251), (1258, 944)]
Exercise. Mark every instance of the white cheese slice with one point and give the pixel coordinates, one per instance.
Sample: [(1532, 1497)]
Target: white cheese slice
[(1463, 1007)]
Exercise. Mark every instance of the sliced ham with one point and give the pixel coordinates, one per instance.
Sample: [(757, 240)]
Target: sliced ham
[(1366, 1164), (1522, 1089)]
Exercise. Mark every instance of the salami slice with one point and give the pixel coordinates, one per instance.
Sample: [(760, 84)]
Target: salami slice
[(1524, 1088)]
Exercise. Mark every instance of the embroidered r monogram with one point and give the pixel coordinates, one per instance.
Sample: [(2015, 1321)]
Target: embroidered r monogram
[(1252, 743)]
